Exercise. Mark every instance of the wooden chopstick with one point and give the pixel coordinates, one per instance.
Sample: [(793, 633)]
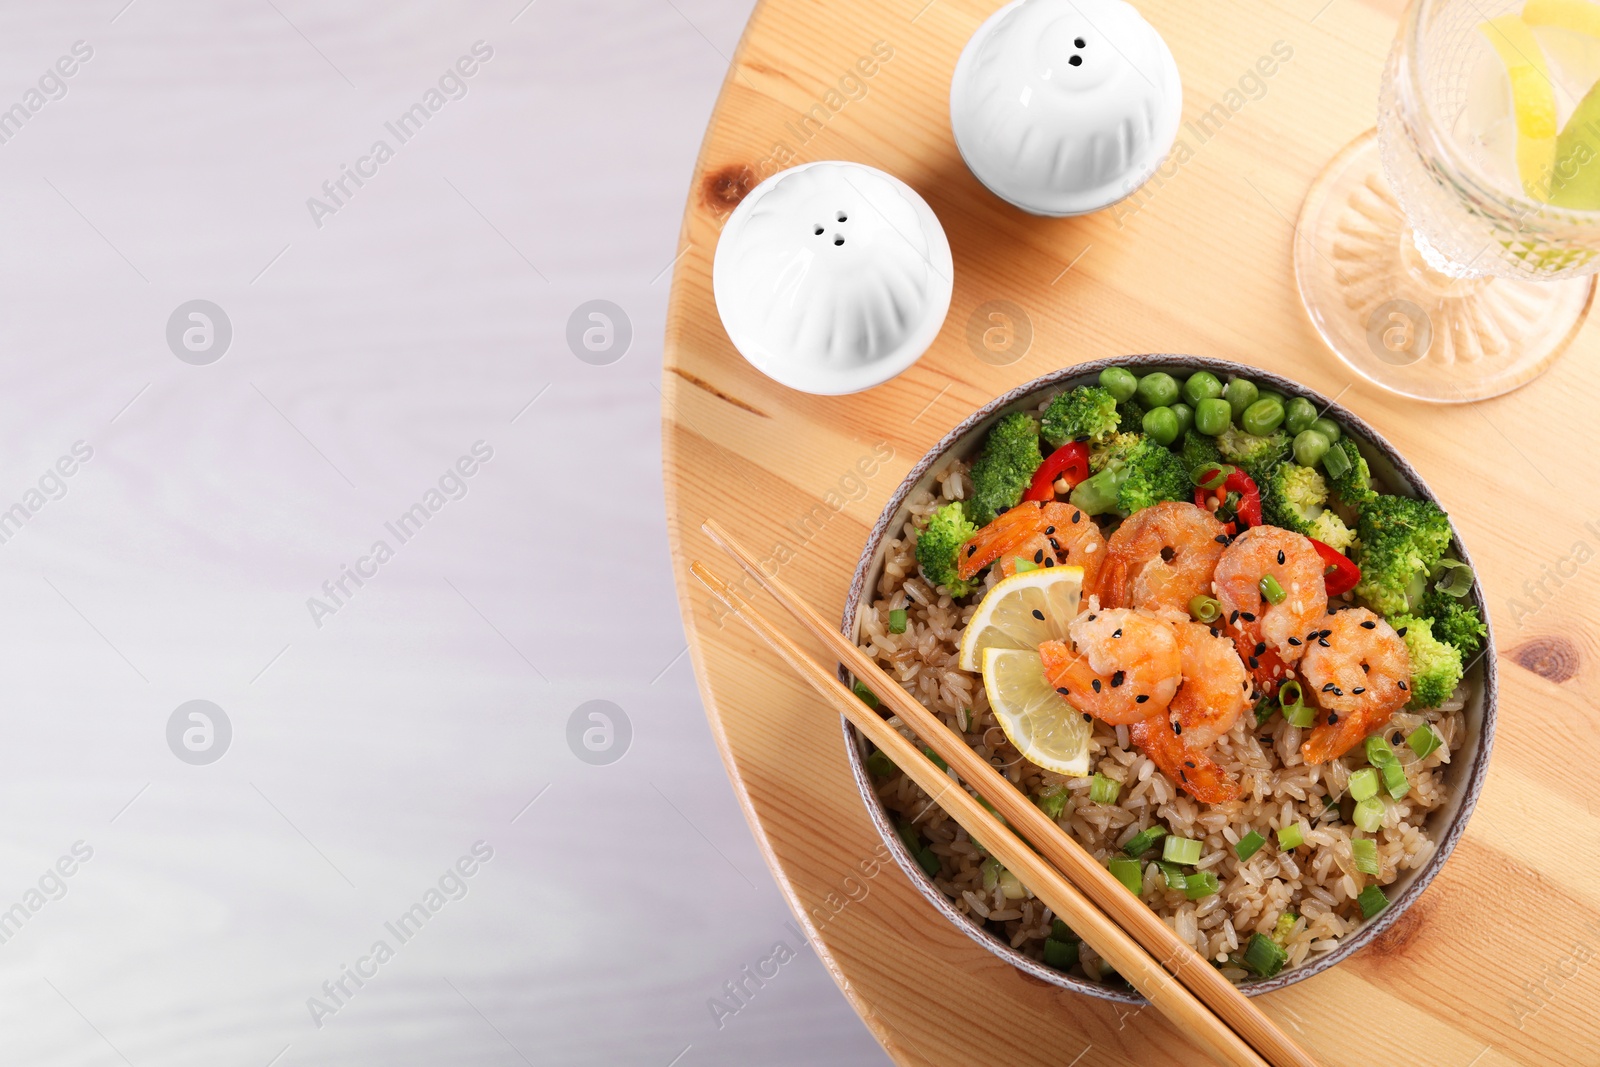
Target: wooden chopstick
[(1166, 994), (1070, 858)]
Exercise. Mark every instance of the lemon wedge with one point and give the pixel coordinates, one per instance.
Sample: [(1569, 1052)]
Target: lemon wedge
[(1045, 728), (1581, 16), (1022, 611), (1533, 100)]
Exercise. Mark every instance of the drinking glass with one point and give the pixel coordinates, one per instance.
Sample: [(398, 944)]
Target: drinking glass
[(1421, 255)]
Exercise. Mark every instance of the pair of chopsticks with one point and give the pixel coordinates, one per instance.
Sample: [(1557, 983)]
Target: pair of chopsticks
[(1116, 923)]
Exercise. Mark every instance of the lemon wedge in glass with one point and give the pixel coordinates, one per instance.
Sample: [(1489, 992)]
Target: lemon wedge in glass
[(1533, 100), (1045, 728), (1022, 612)]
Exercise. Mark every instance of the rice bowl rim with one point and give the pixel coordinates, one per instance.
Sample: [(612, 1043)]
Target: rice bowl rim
[(1463, 775)]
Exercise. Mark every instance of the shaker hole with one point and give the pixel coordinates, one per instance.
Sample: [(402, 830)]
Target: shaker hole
[(1078, 42), (837, 239), (1076, 61), (819, 231), (843, 217)]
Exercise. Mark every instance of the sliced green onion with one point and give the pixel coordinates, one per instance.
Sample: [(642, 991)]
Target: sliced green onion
[(1364, 783), (1060, 931), (1011, 886), (935, 757), (991, 874), (1060, 954), (879, 765), (1185, 850), (1295, 711), (1335, 462), (1458, 580), (1204, 608), (1301, 715), (1104, 790), (928, 862), (1284, 927), (1264, 956), (868, 697), (897, 621), (1248, 845), (1201, 884), (1210, 475), (1025, 565), (1291, 837), (1127, 872), (1368, 815), (1290, 686), (1144, 841), (1173, 874), (1266, 707), (1372, 901), (1365, 852), (1053, 801), (1271, 589), (1394, 780), (1424, 741), (1379, 754)]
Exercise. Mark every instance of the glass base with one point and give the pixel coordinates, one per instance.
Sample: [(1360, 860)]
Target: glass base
[(1407, 320)]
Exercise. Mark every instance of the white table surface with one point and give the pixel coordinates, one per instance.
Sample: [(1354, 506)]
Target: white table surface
[(369, 752)]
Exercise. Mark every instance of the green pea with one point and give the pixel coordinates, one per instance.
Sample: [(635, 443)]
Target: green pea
[(1272, 394), (1212, 416), (1262, 417), (1299, 414), (1158, 390), (1240, 394), (1120, 382), (1185, 415), (1309, 447), (1327, 428), (1202, 385), (1162, 425)]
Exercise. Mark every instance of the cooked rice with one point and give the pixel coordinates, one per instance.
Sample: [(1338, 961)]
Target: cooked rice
[(1278, 789)]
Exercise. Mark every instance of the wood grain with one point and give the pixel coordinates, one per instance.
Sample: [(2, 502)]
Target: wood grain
[(1496, 965)]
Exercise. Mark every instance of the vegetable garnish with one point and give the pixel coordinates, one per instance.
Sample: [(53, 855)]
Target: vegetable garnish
[(897, 621), (1335, 462), (1144, 841), (1175, 878), (1424, 741), (1271, 590), (1381, 756), (1284, 927), (1060, 954), (1025, 565), (1292, 699), (1264, 956), (1185, 850), (1201, 884), (1248, 845), (879, 765), (1291, 837), (1368, 815), (1242, 499), (938, 761), (868, 697), (1339, 574), (1205, 609), (1211, 477), (1127, 872), (1364, 850), (1069, 462), (1364, 784), (1104, 790), (1372, 901), (1458, 577)]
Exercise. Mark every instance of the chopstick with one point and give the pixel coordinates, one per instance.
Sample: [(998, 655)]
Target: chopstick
[(1146, 975), (1125, 909)]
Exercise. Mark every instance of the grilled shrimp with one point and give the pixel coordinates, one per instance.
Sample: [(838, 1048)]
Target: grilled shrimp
[(1215, 689), (1048, 534), (1289, 559), (1161, 557), (1357, 669), (1194, 771), (1122, 665)]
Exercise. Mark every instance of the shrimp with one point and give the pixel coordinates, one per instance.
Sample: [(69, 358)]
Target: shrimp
[(1357, 669), (1048, 534), (1289, 560), (1125, 665), (1193, 770), (1215, 689), (1163, 556)]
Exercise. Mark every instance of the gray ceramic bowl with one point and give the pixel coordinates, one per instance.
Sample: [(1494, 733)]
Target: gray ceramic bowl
[(1464, 773)]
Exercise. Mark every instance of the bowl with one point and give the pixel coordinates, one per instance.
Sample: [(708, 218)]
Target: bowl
[(1463, 775)]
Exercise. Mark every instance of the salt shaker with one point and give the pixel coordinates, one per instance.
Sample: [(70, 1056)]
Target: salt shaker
[(1063, 107), (832, 277)]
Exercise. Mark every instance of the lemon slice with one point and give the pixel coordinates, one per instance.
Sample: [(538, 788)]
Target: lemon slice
[(1532, 98), (1022, 611), (1045, 728)]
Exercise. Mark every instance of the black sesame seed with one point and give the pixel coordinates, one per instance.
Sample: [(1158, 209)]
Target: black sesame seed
[(1280, 557), (1358, 690), (1038, 614), (1333, 716), (1221, 539), (1294, 640), (1332, 610), (1261, 646), (1054, 544), (1117, 678), (1327, 687), (1087, 717), (1049, 562), (1233, 618), (1038, 557), (1076, 515), (1118, 632), (1324, 643), (1402, 685), (1338, 692), (1140, 699), (1246, 616), (1215, 632), (1255, 664), (1401, 632), (971, 549), (1366, 669), (1095, 684), (1001, 511), (1184, 775), (1091, 618), (1063, 690), (1398, 737), (1177, 728), (1049, 530), (1369, 625), (1189, 763)]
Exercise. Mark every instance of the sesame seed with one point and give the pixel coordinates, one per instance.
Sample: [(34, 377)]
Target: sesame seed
[(1184, 775), (1333, 716), (1117, 678), (1233, 618), (1095, 684), (1140, 699), (1261, 646), (1327, 687), (1255, 664), (1221, 539), (1118, 632), (1294, 640), (1038, 614), (1246, 616), (1049, 530), (1049, 562), (1401, 632), (1087, 717), (1365, 669), (1280, 557), (1398, 737), (1369, 625), (1358, 690), (1091, 618), (1090, 548), (1324, 643), (1076, 515), (1402, 685), (1177, 728), (1063, 690), (1038, 557), (1189, 763), (971, 549)]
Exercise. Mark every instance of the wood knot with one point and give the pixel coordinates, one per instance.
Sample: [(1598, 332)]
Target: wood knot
[(724, 188), (1399, 936), (1554, 658)]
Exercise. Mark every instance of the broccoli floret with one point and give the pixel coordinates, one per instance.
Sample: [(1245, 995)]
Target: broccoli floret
[(1198, 449), (1401, 540), (1152, 473), (1255, 454), (1130, 415), (1330, 529), (1435, 664), (1354, 486), (1087, 413), (1113, 450), (939, 545), (1002, 473), (1292, 497), (1455, 621)]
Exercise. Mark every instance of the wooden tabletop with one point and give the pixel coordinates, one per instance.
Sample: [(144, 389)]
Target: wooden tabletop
[(1499, 962)]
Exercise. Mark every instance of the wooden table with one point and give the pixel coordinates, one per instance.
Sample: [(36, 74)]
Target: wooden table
[(1498, 962)]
